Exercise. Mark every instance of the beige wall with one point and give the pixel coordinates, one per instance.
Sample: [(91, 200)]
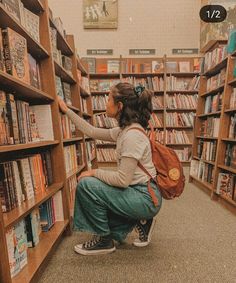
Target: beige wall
[(158, 24)]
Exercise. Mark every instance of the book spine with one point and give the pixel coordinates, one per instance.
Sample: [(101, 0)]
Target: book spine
[(7, 52)]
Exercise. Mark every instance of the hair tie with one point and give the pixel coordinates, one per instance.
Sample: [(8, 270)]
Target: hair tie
[(139, 89)]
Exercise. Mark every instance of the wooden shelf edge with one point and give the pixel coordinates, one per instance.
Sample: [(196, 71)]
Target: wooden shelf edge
[(72, 140), (20, 212), (35, 6), (28, 146), (63, 74), (215, 90), (227, 168), (73, 108), (204, 184), (214, 70), (37, 255), (21, 89), (229, 140), (230, 110), (205, 161), (209, 45), (209, 114)]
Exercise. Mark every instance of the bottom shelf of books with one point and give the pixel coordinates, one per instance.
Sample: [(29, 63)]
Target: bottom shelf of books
[(36, 256)]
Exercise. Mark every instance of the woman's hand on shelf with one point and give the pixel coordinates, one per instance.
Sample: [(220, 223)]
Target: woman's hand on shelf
[(62, 105)]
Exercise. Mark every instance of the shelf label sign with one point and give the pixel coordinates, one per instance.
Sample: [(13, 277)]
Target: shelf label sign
[(142, 51), (100, 52), (186, 51)]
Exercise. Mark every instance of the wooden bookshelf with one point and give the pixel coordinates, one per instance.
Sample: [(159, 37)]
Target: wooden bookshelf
[(42, 52), (224, 114)]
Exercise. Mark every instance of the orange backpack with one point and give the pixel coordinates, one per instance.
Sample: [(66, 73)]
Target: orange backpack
[(170, 178)]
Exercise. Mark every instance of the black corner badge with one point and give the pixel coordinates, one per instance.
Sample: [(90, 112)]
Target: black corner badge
[(213, 13)]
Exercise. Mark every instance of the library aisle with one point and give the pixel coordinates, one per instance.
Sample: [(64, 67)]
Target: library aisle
[(194, 241)]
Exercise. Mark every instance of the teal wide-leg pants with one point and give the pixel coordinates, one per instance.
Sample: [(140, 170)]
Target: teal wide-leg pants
[(103, 210)]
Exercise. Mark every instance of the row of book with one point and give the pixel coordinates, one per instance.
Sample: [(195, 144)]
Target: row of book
[(21, 123), (102, 121), (233, 99), (155, 66), (176, 83), (207, 150), (26, 233), (177, 137), (202, 171), (72, 184), (106, 155), (176, 119), (230, 155), (26, 18), (232, 127), (156, 120), (226, 185), (99, 102), (216, 81), (67, 127), (90, 149), (74, 156), (151, 83), (83, 81), (183, 154), (62, 60), (210, 127), (213, 103), (157, 102), (177, 101), (159, 135), (102, 85), (63, 90), (212, 58), (84, 105), (15, 59), (24, 178)]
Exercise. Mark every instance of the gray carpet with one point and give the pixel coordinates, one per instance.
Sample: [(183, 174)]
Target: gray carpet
[(194, 241)]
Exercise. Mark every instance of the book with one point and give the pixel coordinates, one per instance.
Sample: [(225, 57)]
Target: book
[(12, 119), (43, 117), (2, 63), (171, 67), (31, 22), (34, 72), (4, 123), (184, 67), (13, 7), (157, 67), (16, 55), (113, 66)]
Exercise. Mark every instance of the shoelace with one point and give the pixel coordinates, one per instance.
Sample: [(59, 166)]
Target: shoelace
[(96, 239), (140, 232)]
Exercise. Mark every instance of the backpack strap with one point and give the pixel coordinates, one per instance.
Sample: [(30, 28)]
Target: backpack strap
[(150, 189)]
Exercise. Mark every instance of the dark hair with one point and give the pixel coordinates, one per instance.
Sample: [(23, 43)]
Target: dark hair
[(137, 107)]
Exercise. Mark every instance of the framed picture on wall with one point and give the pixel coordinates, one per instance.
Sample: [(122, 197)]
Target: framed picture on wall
[(99, 14)]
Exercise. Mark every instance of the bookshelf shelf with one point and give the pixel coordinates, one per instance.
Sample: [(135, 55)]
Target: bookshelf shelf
[(211, 44), (28, 146), (213, 91), (180, 109), (142, 75), (230, 110), (229, 140), (206, 161), (72, 173), (81, 68), (73, 108), (37, 255), (158, 110), (35, 5), (18, 213), (180, 74), (216, 69), (105, 75), (209, 114), (98, 111), (6, 20), (65, 141), (232, 82), (228, 199), (63, 74), (179, 128), (86, 115), (106, 145), (23, 90), (99, 92), (81, 167), (62, 44), (179, 144), (227, 168), (205, 184), (206, 138), (182, 91)]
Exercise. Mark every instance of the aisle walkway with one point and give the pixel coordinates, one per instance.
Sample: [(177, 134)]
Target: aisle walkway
[(194, 241)]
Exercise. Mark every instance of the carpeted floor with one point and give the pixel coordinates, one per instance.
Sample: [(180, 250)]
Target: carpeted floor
[(194, 241)]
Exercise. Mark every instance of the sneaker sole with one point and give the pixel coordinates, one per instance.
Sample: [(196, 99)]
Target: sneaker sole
[(144, 244), (80, 250)]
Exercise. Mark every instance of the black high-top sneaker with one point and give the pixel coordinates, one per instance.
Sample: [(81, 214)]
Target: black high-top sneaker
[(96, 246), (144, 229)]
